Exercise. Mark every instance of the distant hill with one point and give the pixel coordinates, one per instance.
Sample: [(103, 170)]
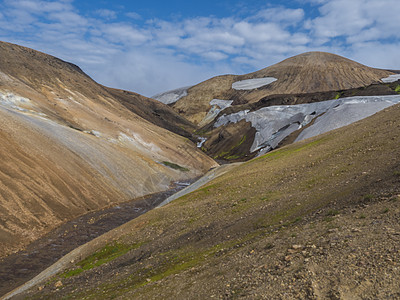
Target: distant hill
[(305, 73)]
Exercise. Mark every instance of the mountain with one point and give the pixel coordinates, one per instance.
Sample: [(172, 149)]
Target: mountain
[(317, 219), (69, 145), (305, 73)]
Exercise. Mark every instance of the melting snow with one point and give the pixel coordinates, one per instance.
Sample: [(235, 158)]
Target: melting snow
[(391, 78), (347, 112), (217, 106), (171, 96), (202, 141), (274, 123), (251, 84)]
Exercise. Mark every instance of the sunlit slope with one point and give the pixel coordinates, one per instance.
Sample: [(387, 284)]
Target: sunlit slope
[(310, 220), (69, 146), (305, 73)]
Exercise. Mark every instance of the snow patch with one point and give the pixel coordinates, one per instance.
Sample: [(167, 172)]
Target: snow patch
[(349, 111), (222, 104), (202, 141), (217, 106), (274, 123), (251, 84), (391, 78), (171, 96)]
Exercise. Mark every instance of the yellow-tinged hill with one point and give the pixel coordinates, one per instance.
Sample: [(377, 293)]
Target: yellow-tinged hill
[(305, 73), (69, 145)]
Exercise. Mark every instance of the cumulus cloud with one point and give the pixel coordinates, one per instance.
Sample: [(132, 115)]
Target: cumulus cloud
[(357, 20), (159, 55), (133, 15)]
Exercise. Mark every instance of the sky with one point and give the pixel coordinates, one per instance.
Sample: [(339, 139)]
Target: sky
[(153, 46)]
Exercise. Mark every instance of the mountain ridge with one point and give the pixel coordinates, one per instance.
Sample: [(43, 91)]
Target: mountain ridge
[(303, 73)]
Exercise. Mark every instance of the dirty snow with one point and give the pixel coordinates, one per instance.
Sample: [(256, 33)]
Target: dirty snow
[(171, 96), (217, 105), (391, 78), (251, 84), (349, 111), (201, 142), (274, 123)]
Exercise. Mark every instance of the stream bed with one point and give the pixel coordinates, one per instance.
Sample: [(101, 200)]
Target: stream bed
[(20, 267)]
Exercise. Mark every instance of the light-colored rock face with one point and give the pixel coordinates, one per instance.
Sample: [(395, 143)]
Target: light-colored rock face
[(67, 147), (171, 96), (251, 84), (274, 123), (391, 78)]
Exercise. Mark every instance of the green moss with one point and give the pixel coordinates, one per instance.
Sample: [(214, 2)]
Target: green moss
[(332, 213), (338, 95), (100, 257), (171, 263), (230, 154), (397, 89), (175, 166), (368, 197)]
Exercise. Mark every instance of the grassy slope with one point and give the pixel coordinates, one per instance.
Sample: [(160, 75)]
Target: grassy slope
[(316, 219)]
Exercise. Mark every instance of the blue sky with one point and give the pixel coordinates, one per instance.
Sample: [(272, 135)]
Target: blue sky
[(153, 46)]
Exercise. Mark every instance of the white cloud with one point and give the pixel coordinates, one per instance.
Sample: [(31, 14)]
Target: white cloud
[(281, 15), (357, 20), (384, 56), (133, 15), (106, 13), (124, 33)]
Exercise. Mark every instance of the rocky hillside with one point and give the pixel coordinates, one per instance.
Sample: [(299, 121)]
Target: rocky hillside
[(69, 145), (317, 219), (241, 132), (305, 73)]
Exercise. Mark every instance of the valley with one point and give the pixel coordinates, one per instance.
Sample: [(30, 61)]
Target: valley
[(278, 184)]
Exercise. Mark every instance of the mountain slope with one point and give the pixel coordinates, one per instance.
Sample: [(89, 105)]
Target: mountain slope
[(69, 146), (314, 220), (305, 73), (154, 112)]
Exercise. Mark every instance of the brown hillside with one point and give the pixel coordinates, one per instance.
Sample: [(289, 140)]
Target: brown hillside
[(315, 220), (69, 146), (153, 111), (305, 73)]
